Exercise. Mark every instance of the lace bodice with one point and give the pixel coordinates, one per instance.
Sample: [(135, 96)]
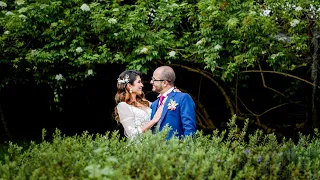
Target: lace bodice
[(132, 118)]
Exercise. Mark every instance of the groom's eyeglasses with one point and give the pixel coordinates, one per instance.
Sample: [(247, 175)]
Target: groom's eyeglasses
[(154, 80)]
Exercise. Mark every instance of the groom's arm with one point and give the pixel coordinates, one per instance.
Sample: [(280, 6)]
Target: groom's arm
[(188, 115)]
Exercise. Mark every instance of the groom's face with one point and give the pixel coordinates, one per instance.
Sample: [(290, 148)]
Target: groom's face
[(157, 82)]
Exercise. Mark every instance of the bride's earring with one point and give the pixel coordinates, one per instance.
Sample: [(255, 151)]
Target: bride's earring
[(130, 90)]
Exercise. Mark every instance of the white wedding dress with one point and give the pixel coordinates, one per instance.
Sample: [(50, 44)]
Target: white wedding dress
[(132, 118)]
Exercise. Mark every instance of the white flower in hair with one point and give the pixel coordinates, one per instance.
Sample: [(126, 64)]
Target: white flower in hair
[(125, 80)]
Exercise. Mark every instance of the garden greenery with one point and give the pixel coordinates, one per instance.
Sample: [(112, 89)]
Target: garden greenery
[(230, 154), (61, 42)]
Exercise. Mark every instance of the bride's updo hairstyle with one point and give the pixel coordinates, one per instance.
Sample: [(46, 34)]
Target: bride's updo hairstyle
[(123, 92)]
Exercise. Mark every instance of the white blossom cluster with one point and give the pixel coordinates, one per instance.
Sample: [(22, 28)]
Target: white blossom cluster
[(19, 2), (217, 47), (312, 9), (79, 49), (172, 53), (151, 13), (3, 4), (9, 13), (112, 21), (294, 22), (274, 56), (85, 7), (22, 10), (59, 77), (22, 16), (144, 50), (266, 12), (90, 72), (199, 42), (34, 51)]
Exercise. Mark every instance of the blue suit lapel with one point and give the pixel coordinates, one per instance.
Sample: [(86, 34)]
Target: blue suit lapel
[(165, 108), (154, 107)]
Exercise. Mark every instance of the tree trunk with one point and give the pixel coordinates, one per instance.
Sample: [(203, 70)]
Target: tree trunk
[(315, 77), (5, 126)]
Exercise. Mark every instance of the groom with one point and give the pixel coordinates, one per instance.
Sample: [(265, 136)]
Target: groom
[(179, 108)]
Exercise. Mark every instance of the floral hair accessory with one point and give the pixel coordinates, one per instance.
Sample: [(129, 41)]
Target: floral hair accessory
[(172, 105), (123, 81)]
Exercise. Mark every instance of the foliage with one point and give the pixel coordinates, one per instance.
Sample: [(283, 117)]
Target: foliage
[(62, 41), (3, 151), (237, 35), (221, 155)]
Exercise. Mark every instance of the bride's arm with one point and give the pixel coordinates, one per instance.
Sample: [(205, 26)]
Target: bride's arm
[(154, 120), (127, 120)]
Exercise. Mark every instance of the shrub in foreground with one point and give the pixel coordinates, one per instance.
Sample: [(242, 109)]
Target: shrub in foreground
[(221, 155)]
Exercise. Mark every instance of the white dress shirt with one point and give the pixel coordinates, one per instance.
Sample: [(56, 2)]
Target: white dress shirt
[(165, 95)]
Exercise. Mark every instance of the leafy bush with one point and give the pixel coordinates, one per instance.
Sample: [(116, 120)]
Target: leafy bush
[(59, 42), (217, 156), (3, 151)]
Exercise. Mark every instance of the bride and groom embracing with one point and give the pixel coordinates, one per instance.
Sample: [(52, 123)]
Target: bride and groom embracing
[(138, 115)]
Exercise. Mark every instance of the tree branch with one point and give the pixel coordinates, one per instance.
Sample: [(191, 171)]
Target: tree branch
[(236, 94), (284, 74), (264, 127), (265, 85), (247, 108), (210, 78), (275, 107), (199, 90), (204, 114)]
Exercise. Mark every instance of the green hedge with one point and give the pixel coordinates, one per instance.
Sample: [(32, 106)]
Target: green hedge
[(221, 155)]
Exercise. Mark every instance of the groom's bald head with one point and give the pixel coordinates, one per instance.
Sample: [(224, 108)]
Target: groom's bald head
[(167, 73)]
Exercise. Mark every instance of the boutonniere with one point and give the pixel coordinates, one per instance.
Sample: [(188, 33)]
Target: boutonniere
[(172, 105)]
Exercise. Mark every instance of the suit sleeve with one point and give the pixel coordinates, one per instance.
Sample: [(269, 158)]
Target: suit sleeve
[(127, 120), (188, 115), (153, 112)]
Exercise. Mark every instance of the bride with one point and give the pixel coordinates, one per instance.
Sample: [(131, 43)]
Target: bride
[(133, 110)]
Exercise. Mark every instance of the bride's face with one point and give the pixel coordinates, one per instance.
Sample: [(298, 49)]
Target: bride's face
[(137, 86)]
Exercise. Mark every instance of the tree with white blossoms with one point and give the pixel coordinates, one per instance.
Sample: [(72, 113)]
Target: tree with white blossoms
[(241, 37), (225, 40), (299, 22)]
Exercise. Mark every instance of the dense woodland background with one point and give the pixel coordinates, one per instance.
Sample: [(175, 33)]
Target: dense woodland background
[(59, 61)]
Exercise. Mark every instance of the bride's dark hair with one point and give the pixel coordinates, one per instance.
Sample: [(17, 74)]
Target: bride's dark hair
[(123, 94)]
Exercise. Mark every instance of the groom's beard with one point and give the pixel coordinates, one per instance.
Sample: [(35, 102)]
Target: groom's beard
[(158, 89)]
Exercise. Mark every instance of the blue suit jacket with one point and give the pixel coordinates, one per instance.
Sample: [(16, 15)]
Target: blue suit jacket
[(181, 120)]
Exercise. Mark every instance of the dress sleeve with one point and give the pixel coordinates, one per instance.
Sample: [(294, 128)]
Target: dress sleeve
[(127, 120)]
